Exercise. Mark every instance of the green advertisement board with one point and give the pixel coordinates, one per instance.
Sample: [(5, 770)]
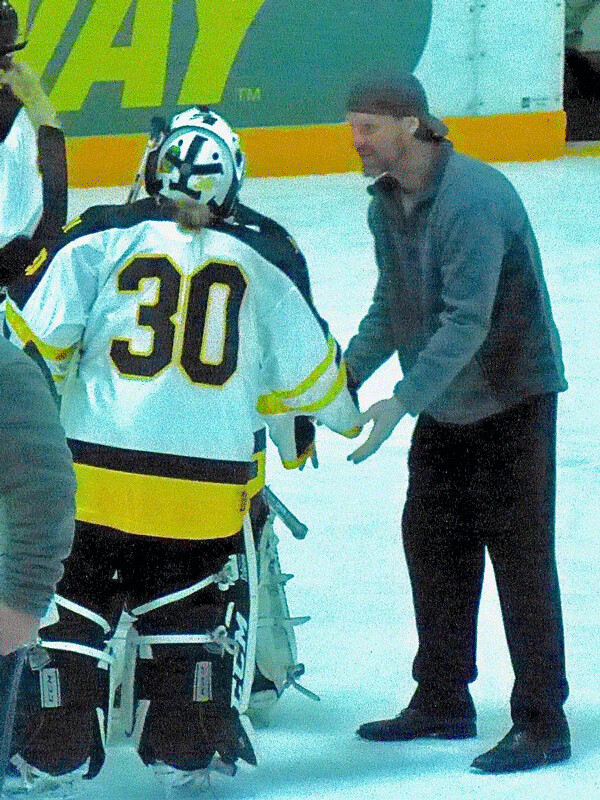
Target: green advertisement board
[(112, 64)]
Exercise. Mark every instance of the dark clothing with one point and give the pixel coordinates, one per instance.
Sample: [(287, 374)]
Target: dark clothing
[(490, 484), (109, 571), (460, 296)]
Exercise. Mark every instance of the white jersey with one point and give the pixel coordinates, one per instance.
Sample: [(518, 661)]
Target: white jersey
[(20, 180), (169, 349)]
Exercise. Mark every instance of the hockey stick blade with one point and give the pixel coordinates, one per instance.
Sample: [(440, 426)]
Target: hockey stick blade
[(11, 669), (291, 521)]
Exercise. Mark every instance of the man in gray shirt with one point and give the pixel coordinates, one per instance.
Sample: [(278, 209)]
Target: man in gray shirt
[(461, 299)]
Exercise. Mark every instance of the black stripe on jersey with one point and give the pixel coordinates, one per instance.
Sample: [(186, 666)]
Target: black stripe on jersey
[(260, 440), (52, 162), (93, 220), (9, 108), (163, 465), (271, 241)]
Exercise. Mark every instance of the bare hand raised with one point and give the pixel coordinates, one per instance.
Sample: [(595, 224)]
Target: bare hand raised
[(26, 86), (385, 415)]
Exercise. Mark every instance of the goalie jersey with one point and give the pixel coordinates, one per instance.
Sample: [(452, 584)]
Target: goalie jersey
[(170, 349)]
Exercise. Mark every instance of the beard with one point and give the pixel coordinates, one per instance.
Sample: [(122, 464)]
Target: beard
[(375, 164)]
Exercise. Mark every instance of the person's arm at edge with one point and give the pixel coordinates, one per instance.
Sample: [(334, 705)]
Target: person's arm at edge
[(19, 253), (37, 490)]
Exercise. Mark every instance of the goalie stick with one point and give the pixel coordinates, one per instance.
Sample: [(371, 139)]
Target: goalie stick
[(296, 528), (157, 127), (11, 669)]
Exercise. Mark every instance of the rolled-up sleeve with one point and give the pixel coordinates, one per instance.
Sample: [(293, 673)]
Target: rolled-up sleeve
[(37, 486)]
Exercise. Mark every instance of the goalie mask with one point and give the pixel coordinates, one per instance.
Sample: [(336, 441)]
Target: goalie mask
[(200, 159)]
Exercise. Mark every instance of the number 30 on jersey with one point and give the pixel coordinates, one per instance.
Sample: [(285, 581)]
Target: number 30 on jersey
[(206, 343)]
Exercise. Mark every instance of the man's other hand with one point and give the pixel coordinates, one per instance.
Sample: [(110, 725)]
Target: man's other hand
[(17, 629)]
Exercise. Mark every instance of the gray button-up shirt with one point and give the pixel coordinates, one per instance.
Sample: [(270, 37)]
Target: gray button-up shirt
[(460, 297)]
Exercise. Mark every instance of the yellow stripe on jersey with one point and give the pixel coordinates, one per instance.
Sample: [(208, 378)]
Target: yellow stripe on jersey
[(340, 383), (153, 505), (298, 462), (306, 384), (279, 402), (37, 263), (71, 224), (25, 334)]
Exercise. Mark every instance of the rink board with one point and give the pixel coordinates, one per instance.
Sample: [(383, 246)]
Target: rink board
[(280, 71)]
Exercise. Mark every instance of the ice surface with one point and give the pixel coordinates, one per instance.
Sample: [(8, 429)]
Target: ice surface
[(350, 572)]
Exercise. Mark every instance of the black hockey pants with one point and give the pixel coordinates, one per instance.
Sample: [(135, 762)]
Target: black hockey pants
[(109, 571)]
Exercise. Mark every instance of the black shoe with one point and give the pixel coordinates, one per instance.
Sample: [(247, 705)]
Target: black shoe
[(414, 724), (520, 750)]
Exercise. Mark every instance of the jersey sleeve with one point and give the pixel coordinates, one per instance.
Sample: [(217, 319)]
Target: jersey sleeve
[(20, 180), (53, 315), (305, 373), (18, 253)]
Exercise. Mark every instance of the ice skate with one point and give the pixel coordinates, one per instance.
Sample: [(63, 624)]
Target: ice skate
[(24, 781), (179, 784)]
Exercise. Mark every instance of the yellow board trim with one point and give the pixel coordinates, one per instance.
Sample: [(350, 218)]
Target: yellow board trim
[(584, 149), (152, 505), (324, 149)]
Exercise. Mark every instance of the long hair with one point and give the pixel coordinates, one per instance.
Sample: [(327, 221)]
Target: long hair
[(189, 215)]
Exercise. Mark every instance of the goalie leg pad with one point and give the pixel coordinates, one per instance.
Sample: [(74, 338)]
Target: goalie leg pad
[(192, 666), (276, 648), (63, 699)]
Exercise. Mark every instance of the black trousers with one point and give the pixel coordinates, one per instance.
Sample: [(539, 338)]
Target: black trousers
[(487, 485)]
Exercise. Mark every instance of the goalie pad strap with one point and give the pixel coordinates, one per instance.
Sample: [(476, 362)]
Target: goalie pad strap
[(82, 649), (225, 578), (219, 639), (265, 622), (82, 612)]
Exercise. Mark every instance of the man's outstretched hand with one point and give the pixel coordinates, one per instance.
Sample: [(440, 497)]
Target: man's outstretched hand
[(385, 415)]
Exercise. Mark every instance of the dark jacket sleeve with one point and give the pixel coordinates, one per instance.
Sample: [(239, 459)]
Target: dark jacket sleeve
[(37, 486), (17, 254)]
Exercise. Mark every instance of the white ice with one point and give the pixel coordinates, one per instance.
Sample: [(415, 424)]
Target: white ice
[(350, 571)]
